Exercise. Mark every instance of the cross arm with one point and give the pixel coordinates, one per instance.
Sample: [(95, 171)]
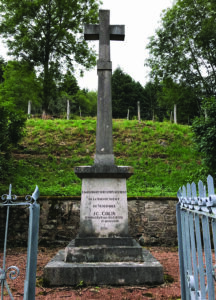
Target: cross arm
[(91, 32), (117, 32)]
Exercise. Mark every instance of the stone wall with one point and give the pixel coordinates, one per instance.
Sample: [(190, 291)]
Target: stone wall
[(152, 220)]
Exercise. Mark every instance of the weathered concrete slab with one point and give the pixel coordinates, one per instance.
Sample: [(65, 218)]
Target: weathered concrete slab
[(100, 253), (59, 273), (103, 171), (115, 241)]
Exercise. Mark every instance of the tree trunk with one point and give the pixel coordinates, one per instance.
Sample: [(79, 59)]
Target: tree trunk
[(46, 96)]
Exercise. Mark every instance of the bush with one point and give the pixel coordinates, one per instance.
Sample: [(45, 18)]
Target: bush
[(12, 123), (204, 129)]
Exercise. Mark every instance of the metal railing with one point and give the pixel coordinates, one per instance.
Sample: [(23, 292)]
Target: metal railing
[(196, 224), (12, 272)]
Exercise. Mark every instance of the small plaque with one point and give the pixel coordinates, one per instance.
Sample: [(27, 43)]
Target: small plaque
[(103, 211)]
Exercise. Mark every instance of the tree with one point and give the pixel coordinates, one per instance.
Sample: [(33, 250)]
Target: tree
[(86, 102), (152, 89), (2, 67), (20, 85), (65, 90), (69, 84), (184, 47), (69, 90), (181, 95), (125, 95), (47, 33), (92, 96)]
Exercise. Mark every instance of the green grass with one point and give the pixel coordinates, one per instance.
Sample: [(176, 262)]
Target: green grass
[(162, 155)]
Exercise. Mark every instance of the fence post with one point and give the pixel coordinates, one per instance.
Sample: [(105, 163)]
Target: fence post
[(180, 251), (12, 272), (68, 109), (138, 111), (31, 268), (29, 107), (128, 112), (175, 113)]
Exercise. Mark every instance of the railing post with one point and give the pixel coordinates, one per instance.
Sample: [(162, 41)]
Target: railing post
[(180, 251), (208, 257), (200, 256), (31, 268), (12, 272)]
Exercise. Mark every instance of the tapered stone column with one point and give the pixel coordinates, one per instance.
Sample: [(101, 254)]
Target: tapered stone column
[(104, 32)]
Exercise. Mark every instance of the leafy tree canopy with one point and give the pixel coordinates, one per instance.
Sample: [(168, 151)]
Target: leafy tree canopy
[(84, 103), (184, 47), (125, 95), (47, 33), (183, 96), (152, 89), (2, 66), (20, 85), (81, 101)]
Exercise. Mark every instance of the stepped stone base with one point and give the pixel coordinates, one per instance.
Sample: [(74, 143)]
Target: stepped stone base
[(60, 273), (111, 241), (103, 253)]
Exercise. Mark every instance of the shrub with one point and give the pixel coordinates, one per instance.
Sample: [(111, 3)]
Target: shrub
[(12, 123), (204, 129)]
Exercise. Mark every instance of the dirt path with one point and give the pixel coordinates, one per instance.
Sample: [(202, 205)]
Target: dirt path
[(169, 290)]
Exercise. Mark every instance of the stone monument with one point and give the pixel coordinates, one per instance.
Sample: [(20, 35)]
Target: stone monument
[(103, 252)]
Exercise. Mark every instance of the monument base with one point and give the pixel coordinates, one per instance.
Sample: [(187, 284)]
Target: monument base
[(103, 253), (112, 241), (60, 273)]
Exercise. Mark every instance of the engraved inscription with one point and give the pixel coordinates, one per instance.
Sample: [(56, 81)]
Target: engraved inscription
[(103, 208), (103, 212)]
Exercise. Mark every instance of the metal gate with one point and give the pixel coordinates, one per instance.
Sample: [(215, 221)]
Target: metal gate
[(196, 223), (12, 272)]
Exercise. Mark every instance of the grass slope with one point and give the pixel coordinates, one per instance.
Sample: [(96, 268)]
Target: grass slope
[(161, 154)]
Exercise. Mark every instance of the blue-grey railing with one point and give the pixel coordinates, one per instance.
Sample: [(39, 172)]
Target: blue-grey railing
[(12, 272), (196, 223)]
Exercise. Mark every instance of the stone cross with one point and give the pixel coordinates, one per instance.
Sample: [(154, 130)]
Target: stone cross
[(104, 32)]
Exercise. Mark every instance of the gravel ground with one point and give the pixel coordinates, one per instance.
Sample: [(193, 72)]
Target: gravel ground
[(170, 290)]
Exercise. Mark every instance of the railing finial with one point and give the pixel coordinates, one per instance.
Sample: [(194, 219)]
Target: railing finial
[(188, 197)]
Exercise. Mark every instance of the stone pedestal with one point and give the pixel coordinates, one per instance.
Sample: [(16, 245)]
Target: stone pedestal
[(103, 253)]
